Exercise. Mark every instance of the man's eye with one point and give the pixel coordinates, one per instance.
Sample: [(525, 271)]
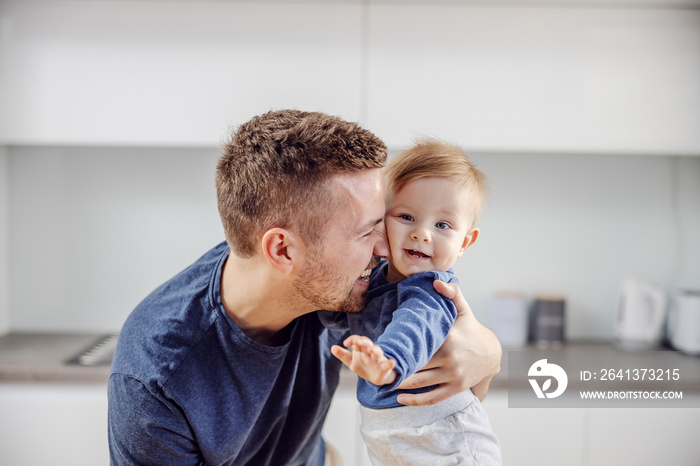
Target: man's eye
[(442, 226)]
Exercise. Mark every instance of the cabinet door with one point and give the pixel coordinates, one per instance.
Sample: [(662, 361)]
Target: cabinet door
[(644, 437), (536, 78), (53, 424), (342, 428), (535, 437), (170, 73)]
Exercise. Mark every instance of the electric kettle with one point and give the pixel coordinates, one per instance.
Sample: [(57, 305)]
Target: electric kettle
[(641, 314)]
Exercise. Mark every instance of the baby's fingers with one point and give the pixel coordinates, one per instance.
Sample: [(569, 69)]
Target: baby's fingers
[(377, 354), (388, 365), (357, 341), (344, 355)]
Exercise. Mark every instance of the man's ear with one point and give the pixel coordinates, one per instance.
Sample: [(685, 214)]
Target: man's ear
[(469, 239), (281, 248)]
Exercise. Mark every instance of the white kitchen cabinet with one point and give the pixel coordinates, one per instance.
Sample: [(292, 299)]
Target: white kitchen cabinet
[(594, 437), (169, 73), (536, 78), (67, 424), (342, 428), (53, 424), (644, 437), (572, 437), (536, 437), (519, 76)]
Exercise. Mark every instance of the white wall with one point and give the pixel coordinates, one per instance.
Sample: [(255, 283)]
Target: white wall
[(93, 230), (4, 242), (687, 191), (578, 225)]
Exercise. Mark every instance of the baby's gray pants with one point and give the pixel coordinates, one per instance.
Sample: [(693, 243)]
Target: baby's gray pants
[(453, 432)]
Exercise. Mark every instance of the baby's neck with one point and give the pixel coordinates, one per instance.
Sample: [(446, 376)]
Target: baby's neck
[(392, 274)]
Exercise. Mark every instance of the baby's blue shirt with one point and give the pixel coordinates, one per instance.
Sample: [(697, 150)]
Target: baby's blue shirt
[(408, 319)]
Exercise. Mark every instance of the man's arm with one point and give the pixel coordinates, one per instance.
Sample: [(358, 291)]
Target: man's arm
[(469, 358), (144, 429)]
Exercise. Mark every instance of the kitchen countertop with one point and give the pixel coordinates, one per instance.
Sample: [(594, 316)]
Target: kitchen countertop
[(43, 357)]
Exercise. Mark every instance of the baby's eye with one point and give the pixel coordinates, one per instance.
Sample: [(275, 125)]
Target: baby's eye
[(406, 217), (442, 226)]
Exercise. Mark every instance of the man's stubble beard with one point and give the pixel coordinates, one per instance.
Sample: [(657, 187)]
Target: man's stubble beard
[(318, 280)]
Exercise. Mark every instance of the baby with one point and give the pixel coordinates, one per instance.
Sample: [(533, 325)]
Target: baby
[(434, 197)]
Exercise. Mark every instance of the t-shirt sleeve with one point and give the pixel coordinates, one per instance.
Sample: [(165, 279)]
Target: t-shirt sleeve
[(418, 326), (146, 429)]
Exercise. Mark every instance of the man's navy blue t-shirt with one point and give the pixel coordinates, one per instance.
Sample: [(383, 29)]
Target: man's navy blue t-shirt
[(188, 387)]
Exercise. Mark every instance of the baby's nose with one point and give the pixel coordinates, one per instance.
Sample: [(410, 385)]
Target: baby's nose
[(420, 235)]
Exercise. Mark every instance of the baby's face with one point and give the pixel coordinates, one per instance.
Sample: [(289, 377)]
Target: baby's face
[(428, 223)]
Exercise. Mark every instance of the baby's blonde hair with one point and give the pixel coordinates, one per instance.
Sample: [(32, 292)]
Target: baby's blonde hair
[(435, 159)]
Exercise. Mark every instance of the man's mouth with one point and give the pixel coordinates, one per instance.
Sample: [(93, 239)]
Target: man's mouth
[(416, 254), (364, 276)]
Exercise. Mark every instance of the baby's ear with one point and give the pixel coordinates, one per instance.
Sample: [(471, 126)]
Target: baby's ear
[(469, 239)]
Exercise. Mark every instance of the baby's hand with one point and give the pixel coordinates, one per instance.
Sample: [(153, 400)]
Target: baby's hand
[(366, 359)]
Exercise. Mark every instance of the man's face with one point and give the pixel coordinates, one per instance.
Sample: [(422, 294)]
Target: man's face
[(336, 274)]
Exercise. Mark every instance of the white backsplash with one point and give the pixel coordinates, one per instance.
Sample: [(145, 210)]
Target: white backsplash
[(4, 243), (577, 225), (93, 230)]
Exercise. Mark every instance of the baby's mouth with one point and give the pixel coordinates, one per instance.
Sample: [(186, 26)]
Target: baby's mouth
[(417, 254)]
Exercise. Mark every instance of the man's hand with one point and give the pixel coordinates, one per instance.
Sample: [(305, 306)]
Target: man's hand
[(366, 359), (469, 358)]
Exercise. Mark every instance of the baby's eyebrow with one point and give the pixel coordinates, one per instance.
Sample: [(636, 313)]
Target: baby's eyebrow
[(447, 212), (398, 206)]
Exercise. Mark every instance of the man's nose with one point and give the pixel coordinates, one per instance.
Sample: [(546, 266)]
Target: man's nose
[(381, 247)]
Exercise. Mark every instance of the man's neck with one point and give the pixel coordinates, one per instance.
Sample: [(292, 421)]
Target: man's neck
[(253, 298)]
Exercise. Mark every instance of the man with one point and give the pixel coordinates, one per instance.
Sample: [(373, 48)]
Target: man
[(227, 363)]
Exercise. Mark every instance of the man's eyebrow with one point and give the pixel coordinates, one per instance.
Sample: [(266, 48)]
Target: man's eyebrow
[(370, 225)]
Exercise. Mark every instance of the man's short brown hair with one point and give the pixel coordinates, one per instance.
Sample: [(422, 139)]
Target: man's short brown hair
[(276, 169)]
